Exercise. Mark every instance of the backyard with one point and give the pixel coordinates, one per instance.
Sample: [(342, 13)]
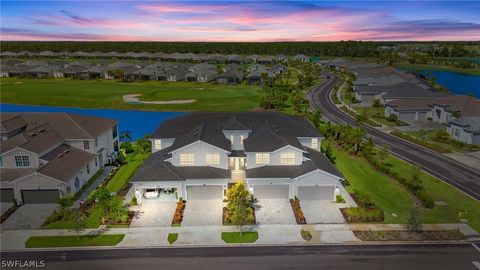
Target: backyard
[(109, 94)]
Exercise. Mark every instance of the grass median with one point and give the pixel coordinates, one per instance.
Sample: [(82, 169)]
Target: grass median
[(235, 237), (74, 241)]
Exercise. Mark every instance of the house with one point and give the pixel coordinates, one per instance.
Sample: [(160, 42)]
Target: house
[(265, 60), (465, 129), (280, 58), (301, 57), (76, 72), (253, 58), (451, 107), (175, 74), (278, 69), (46, 54), (143, 74), (99, 72), (408, 110), (201, 75), (216, 59), (230, 77), (235, 59), (256, 67), (8, 54), (232, 66), (202, 66), (46, 71), (199, 155), (46, 155)]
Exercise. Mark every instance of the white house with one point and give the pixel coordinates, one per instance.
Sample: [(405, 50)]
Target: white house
[(465, 129)]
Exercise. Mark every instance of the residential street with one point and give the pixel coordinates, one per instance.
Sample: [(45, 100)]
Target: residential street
[(448, 170), (411, 256)]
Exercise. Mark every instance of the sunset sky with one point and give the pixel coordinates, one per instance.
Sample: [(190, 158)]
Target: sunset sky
[(239, 20)]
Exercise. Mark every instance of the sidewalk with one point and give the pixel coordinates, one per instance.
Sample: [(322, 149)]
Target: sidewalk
[(211, 235), (94, 185)]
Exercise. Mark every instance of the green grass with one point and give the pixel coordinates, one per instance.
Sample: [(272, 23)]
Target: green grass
[(436, 67), (172, 237), (73, 241), (89, 183), (92, 221), (429, 139), (126, 172), (109, 94), (387, 194), (377, 115), (234, 237)]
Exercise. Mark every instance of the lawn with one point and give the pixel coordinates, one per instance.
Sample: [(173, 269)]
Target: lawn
[(73, 241), (121, 178), (172, 237), (377, 115), (387, 194), (234, 237), (93, 220), (109, 94), (429, 139)]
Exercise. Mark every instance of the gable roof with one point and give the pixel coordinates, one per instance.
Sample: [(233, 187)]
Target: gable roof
[(466, 105), (471, 124)]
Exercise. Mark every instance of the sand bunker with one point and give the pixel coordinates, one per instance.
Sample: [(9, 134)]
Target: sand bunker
[(133, 98)]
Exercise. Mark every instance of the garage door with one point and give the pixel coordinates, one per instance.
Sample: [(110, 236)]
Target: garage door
[(316, 193), (40, 196), (271, 192), (407, 116), (7, 194), (197, 193)]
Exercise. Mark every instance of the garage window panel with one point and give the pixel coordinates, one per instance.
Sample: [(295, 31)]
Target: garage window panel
[(187, 159), (262, 158), (213, 159), (287, 158), (314, 143), (22, 161)]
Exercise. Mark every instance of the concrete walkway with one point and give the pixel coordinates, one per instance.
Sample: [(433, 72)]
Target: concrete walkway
[(94, 185), (211, 235)]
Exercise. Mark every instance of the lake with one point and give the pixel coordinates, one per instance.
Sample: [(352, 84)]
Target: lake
[(138, 122), (455, 82)]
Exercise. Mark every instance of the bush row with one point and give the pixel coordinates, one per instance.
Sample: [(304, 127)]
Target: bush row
[(420, 142)]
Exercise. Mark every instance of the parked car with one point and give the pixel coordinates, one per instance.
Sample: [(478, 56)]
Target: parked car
[(151, 193)]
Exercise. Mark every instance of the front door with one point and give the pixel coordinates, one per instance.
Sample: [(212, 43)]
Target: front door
[(237, 164)]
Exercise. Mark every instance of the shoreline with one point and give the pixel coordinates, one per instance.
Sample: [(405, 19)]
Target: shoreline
[(474, 72)]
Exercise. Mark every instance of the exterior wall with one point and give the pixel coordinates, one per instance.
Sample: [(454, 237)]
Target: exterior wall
[(199, 150), (237, 144), (36, 181), (164, 143), (458, 133), (307, 141), (104, 141), (9, 159), (274, 157), (83, 177), (79, 144), (365, 99), (440, 115)]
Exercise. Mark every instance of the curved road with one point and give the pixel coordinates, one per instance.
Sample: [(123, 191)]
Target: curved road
[(450, 171)]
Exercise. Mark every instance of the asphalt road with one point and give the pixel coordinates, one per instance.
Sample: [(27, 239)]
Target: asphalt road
[(358, 257), (450, 171)]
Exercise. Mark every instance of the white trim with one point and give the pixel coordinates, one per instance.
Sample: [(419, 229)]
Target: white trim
[(318, 170), (20, 149), (37, 174), (199, 141)]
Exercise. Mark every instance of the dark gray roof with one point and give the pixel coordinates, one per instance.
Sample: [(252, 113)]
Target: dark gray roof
[(8, 175), (155, 168), (205, 132), (471, 124)]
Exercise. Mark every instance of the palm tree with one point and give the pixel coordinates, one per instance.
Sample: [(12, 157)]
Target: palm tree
[(126, 136)]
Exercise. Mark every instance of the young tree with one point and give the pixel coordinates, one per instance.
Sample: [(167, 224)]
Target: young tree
[(423, 134), (415, 179), (377, 105), (414, 223), (78, 221), (144, 144), (240, 205), (126, 136), (383, 154), (116, 210), (368, 147)]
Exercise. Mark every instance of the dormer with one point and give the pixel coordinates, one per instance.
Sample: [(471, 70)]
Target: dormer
[(236, 132)]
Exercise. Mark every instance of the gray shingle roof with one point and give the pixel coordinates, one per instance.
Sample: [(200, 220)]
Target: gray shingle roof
[(471, 124)]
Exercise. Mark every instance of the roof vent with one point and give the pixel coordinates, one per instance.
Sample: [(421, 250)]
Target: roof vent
[(66, 151), (32, 134), (41, 130), (60, 155)]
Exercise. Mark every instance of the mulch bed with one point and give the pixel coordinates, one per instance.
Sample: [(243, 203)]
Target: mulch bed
[(131, 215), (178, 216), (124, 190), (355, 219), (440, 235), (111, 175), (297, 211), (225, 214), (8, 213)]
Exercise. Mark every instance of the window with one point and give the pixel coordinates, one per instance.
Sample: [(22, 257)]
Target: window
[(287, 158), (96, 161), (69, 189), (1, 161), (115, 145), (456, 132), (77, 182), (315, 143), (213, 159), (114, 132), (158, 144), (232, 139), (22, 161), (262, 158), (88, 168), (96, 142), (241, 139), (186, 159), (86, 145)]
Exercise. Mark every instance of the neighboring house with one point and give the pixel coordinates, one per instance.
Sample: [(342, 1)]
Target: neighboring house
[(230, 77), (76, 71), (199, 155), (408, 110), (452, 107), (465, 129), (253, 58), (216, 59), (201, 75), (235, 67), (99, 72), (256, 67), (202, 66), (235, 59), (46, 155), (301, 57), (278, 69), (265, 60), (280, 58)]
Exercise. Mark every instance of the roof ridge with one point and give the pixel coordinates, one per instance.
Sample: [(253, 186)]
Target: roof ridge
[(73, 120)]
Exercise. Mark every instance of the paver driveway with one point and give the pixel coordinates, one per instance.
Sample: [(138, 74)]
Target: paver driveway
[(322, 212), (203, 213), (29, 216), (154, 214), (4, 206), (274, 211)]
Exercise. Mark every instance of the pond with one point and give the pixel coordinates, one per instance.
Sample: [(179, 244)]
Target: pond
[(138, 123), (455, 82)]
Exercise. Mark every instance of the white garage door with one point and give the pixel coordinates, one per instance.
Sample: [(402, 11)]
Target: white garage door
[(316, 193), (271, 192), (197, 193)]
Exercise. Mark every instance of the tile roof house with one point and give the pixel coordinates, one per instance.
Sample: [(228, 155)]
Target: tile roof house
[(230, 76), (45, 155), (200, 154), (465, 129), (451, 107), (301, 58), (408, 110)]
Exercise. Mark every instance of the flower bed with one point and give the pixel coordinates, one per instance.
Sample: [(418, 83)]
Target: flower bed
[(226, 220), (131, 215), (178, 216), (362, 215), (124, 190), (440, 235), (297, 211)]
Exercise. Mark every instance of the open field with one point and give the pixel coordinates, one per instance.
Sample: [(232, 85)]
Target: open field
[(109, 94)]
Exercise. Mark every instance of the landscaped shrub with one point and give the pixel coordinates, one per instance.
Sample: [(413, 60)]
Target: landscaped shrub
[(428, 145), (359, 214), (392, 118), (306, 235), (339, 199), (442, 136)]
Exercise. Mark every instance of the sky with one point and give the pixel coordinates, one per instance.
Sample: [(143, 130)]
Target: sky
[(239, 21)]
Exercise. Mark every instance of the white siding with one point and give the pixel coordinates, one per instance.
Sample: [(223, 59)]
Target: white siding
[(9, 159), (307, 141), (164, 143), (237, 136), (200, 150), (274, 157)]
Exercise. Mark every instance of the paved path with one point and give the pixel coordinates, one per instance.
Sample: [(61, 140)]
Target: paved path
[(211, 235), (94, 185), (448, 170)]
